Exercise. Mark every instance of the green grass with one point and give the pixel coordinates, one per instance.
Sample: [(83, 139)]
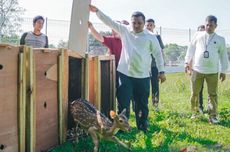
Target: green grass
[(171, 129)]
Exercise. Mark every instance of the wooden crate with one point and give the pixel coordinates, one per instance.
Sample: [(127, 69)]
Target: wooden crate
[(34, 89), (47, 98), (101, 82), (12, 98)]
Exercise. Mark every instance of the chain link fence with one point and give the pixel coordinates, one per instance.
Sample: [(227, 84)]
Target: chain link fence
[(58, 31)]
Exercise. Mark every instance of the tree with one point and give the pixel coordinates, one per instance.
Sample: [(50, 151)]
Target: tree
[(10, 19), (174, 52)]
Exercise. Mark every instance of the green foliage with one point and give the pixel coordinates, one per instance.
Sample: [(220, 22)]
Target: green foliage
[(10, 20), (174, 52), (11, 39), (171, 129)]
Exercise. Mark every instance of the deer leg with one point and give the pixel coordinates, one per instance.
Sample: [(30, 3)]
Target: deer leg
[(93, 134), (127, 146)]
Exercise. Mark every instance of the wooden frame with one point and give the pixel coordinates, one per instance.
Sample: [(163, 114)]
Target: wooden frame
[(101, 82), (76, 89), (47, 98)]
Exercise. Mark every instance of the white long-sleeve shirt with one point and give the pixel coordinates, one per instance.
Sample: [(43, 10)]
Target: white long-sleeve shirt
[(135, 60), (215, 45)]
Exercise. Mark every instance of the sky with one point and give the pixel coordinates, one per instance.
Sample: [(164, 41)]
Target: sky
[(182, 14)]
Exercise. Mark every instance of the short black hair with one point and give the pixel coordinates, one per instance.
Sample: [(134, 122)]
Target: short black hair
[(137, 14), (39, 17), (211, 18), (150, 20)]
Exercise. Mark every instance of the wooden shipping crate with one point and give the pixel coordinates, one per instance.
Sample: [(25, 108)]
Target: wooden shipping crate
[(101, 82), (12, 98), (47, 98)]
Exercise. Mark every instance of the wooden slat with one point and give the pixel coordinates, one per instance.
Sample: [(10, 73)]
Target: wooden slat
[(79, 26), (9, 98), (22, 102), (46, 105)]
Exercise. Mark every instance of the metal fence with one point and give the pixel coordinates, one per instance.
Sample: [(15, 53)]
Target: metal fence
[(58, 30)]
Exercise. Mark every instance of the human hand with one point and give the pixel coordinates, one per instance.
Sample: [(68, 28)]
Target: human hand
[(162, 77), (89, 24), (93, 8), (188, 69), (222, 77)]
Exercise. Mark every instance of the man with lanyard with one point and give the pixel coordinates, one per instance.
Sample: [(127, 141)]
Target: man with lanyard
[(206, 50)]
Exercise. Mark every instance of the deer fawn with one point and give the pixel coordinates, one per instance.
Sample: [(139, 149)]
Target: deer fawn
[(98, 125)]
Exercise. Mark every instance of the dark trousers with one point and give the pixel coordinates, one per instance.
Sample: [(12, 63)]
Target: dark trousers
[(138, 88), (155, 82), (201, 97)]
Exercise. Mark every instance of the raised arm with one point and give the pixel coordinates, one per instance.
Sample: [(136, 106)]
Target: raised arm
[(118, 27), (95, 33)]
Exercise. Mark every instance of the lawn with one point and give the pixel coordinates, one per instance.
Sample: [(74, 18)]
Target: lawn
[(171, 129)]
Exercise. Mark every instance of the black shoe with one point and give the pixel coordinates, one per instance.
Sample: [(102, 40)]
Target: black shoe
[(143, 127)]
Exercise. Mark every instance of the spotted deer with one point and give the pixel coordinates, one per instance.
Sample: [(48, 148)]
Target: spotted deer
[(97, 124)]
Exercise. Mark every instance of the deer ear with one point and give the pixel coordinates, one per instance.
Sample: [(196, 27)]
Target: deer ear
[(112, 114), (123, 112)]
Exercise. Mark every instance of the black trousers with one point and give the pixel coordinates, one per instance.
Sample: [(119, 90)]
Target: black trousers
[(155, 82), (138, 88)]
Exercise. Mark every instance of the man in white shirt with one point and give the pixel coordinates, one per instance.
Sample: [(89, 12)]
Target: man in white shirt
[(206, 51), (134, 64)]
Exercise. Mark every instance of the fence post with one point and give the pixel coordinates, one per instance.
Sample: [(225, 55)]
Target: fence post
[(160, 31), (46, 25)]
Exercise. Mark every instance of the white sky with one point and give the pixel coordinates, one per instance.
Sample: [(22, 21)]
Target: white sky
[(181, 14)]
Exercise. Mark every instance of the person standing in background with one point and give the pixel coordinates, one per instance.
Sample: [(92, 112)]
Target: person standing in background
[(208, 54), (35, 38), (201, 107), (150, 25)]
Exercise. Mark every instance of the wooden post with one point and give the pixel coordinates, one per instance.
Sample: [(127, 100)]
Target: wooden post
[(78, 33), (22, 102), (31, 109)]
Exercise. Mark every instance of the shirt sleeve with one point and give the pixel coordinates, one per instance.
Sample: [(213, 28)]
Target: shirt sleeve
[(191, 50), (160, 41), (107, 42), (22, 40), (118, 27), (223, 57), (157, 54), (47, 43)]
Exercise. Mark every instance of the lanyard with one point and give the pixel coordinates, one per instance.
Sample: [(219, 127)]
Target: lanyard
[(207, 43)]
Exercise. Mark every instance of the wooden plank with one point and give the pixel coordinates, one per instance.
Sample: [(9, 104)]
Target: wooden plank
[(97, 82), (9, 98), (22, 102), (30, 101), (46, 100), (79, 26)]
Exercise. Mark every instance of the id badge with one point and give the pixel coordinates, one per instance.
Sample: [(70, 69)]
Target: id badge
[(206, 54)]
